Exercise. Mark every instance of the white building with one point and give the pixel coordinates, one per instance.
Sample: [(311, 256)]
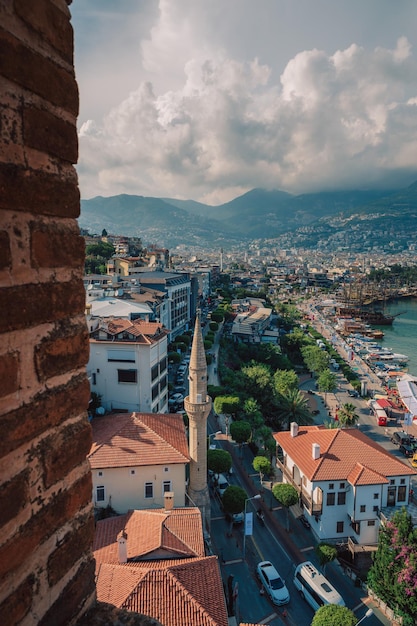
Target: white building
[(128, 365), (345, 480), (136, 459)]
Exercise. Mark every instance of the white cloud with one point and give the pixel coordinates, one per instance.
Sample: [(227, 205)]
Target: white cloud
[(220, 125)]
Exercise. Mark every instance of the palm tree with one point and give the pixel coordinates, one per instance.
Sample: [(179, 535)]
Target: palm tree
[(347, 415), (293, 407)]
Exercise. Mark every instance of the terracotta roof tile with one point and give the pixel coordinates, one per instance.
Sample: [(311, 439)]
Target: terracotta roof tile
[(151, 533), (134, 439), (173, 581), (340, 451)]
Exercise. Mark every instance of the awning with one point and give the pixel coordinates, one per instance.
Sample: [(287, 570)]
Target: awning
[(407, 390)]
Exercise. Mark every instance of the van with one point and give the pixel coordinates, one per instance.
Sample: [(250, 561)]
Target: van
[(314, 587), (222, 484)]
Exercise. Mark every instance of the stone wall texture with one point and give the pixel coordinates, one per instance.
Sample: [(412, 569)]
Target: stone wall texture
[(46, 514)]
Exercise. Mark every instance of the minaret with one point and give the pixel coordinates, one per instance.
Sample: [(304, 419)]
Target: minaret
[(198, 406)]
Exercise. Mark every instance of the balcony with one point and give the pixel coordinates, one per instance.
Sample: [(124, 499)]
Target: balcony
[(313, 508)]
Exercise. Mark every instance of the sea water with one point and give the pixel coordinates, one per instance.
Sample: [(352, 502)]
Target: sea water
[(402, 335)]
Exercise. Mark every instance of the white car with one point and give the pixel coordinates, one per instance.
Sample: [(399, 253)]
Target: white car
[(177, 398), (273, 583)]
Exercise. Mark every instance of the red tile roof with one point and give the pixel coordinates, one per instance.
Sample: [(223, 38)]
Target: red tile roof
[(344, 452), (134, 439), (174, 534), (167, 577)]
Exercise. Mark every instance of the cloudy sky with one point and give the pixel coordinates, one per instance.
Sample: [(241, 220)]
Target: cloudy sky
[(207, 99)]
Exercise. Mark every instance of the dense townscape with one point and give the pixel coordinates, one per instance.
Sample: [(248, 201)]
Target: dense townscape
[(292, 368)]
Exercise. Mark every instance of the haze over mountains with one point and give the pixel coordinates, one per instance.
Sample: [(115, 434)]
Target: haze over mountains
[(258, 214)]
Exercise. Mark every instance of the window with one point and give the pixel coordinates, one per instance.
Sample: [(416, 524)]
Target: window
[(148, 490), (132, 472), (99, 473), (342, 485), (402, 481), (127, 376), (166, 469), (331, 485), (363, 508), (401, 493), (371, 522), (154, 373), (375, 509), (163, 365), (392, 481), (341, 497), (330, 499), (340, 527), (163, 383), (94, 379), (376, 496), (100, 493), (166, 486), (155, 391)]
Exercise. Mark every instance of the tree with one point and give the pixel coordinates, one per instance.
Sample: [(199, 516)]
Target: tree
[(227, 405), (326, 553), (233, 500), (327, 382), (284, 380), (174, 357), (347, 415), (293, 407), (258, 380), (219, 461), (241, 432), (393, 574), (286, 495), (315, 359), (335, 615), (262, 465)]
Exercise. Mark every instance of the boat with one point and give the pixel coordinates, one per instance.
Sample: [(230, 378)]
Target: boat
[(373, 317)]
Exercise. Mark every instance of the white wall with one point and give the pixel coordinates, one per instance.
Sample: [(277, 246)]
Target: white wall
[(127, 396), (125, 487)]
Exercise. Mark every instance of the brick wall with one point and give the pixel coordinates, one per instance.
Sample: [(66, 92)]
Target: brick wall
[(46, 566)]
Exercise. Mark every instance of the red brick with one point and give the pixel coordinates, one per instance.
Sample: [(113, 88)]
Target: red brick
[(71, 548), (17, 605), (5, 253), (73, 597), (48, 133), (13, 496), (48, 409), (51, 23), (30, 305), (38, 192), (62, 452), (9, 373), (65, 349), (44, 524), (54, 246), (37, 73)]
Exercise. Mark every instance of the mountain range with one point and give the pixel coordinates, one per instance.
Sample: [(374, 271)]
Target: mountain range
[(257, 214)]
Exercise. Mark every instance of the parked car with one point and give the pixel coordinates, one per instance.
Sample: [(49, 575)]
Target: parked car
[(400, 437), (408, 449), (222, 484), (236, 518), (272, 583), (353, 393), (176, 398)]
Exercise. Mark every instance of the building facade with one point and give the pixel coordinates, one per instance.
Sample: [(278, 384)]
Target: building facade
[(128, 365)]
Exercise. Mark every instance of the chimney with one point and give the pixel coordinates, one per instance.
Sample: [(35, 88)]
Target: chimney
[(168, 501), (122, 541), (294, 429), (315, 451)]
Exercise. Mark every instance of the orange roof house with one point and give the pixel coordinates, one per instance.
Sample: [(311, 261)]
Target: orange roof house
[(136, 457), (153, 562), (345, 480)]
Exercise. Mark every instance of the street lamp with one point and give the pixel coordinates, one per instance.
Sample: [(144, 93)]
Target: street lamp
[(219, 432), (368, 613), (258, 495)]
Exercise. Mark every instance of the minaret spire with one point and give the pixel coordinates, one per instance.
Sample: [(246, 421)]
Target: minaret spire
[(198, 406)]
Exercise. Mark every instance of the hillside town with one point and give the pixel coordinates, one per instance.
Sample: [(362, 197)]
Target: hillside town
[(151, 321)]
